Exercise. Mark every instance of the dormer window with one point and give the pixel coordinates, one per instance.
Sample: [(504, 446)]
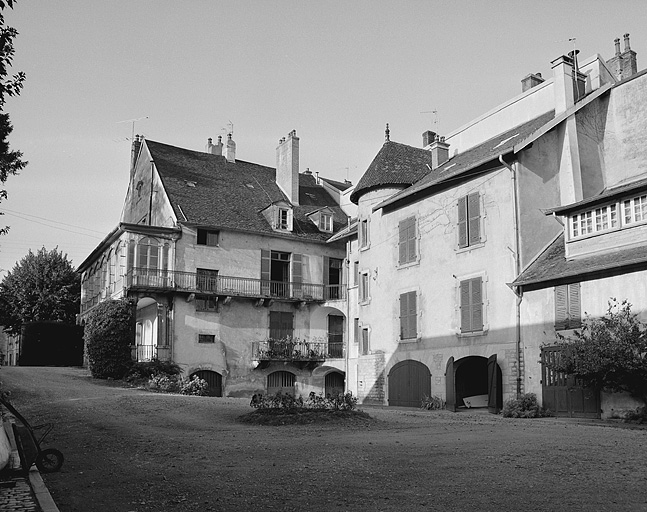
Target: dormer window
[(325, 222), (608, 217), (284, 221)]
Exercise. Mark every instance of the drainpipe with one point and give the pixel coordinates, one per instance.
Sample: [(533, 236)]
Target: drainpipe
[(150, 202), (348, 322), (517, 257)]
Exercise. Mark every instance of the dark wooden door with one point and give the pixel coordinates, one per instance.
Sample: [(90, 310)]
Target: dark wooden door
[(450, 386), (335, 336), (334, 382), (494, 385), (409, 382), (563, 394), (214, 380)]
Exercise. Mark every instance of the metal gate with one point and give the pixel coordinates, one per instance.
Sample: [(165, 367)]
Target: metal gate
[(563, 394), (409, 382), (214, 380)]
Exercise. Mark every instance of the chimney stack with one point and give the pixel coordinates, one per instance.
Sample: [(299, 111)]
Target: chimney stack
[(623, 65), (530, 81), (214, 149), (439, 151), (134, 153), (229, 149), (427, 138), (287, 166)]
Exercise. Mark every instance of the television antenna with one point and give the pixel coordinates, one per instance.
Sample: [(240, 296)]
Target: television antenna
[(133, 121), (434, 113)]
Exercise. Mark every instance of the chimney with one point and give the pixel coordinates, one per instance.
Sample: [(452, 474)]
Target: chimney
[(287, 166), (214, 149), (623, 65), (563, 84), (530, 81), (134, 153), (427, 138), (229, 149), (439, 152)]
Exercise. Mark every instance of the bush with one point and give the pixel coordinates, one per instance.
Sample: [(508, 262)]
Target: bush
[(148, 369), (637, 416), (109, 333), (287, 402), (177, 384), (432, 403), (526, 406)]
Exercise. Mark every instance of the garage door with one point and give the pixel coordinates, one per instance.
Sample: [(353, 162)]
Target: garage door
[(409, 382)]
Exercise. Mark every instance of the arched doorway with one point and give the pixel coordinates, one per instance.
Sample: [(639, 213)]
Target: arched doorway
[(475, 381), (409, 382), (334, 384), (214, 380), (282, 382)]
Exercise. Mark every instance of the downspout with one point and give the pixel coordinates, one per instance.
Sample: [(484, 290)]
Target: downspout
[(150, 202), (517, 257)]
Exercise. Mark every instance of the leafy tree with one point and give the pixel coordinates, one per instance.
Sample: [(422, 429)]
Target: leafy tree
[(109, 333), (41, 287), (609, 352), (10, 161)]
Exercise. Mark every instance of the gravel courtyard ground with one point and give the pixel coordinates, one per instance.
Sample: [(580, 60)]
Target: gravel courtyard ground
[(130, 450)]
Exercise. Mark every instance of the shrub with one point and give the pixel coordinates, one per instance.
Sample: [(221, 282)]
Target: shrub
[(195, 386), (526, 406), (637, 416), (287, 402), (432, 403), (148, 369), (177, 384), (109, 333)]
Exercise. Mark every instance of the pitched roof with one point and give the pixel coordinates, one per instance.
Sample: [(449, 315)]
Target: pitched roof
[(394, 164), (552, 265), (472, 158), (207, 190), (339, 185)]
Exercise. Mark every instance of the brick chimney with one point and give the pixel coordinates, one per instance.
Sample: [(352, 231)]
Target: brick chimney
[(530, 81), (214, 149), (439, 151), (134, 153), (229, 149), (427, 138), (287, 166), (624, 64)]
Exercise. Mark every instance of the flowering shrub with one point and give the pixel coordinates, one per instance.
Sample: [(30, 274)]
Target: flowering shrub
[(525, 406), (432, 403), (177, 384)]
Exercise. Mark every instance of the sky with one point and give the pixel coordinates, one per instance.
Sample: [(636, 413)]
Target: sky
[(334, 71)]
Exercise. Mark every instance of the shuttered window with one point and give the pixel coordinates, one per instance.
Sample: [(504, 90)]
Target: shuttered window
[(407, 241), (568, 314), (356, 330), (469, 220), (363, 349), (471, 305), (363, 287), (281, 325), (363, 233), (408, 316)]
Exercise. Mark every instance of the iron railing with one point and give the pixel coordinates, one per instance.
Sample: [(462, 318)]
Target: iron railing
[(296, 350), (141, 353)]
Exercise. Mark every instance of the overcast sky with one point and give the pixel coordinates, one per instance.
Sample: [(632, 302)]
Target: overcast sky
[(335, 71)]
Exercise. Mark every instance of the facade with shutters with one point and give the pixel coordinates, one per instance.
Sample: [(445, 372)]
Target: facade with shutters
[(470, 251), (229, 266)]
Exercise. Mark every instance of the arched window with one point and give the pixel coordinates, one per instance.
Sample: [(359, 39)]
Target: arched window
[(148, 253), (282, 382)]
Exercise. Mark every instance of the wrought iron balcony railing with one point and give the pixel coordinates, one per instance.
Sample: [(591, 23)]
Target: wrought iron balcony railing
[(147, 279), (296, 350)]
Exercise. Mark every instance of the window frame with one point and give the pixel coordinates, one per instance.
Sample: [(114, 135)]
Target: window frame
[(326, 222), (206, 303), (409, 314), (280, 224), (206, 236), (470, 232), (364, 287), (471, 330), (365, 341), (408, 244), (568, 306), (206, 336), (363, 234)]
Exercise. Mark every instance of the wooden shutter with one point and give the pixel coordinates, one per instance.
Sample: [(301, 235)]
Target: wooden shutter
[(404, 309), (471, 304), (402, 242), (326, 270), (407, 240), (450, 386), (462, 222), (412, 240), (474, 218), (356, 332), (477, 304), (561, 307), (466, 317), (408, 316), (265, 272), (364, 348), (574, 307), (297, 275)]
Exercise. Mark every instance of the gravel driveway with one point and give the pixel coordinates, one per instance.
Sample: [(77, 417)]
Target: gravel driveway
[(130, 450)]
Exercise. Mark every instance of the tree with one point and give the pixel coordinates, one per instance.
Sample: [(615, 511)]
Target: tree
[(609, 352), (41, 287), (10, 161)]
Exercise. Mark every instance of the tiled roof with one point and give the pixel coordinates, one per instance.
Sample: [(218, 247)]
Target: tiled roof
[(339, 185), (552, 264), (472, 158), (394, 164), (207, 190)]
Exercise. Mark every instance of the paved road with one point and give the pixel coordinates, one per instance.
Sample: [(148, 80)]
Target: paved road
[(128, 450)]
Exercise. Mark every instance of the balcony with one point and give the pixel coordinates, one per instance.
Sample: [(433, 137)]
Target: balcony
[(143, 279), (142, 353), (296, 351)]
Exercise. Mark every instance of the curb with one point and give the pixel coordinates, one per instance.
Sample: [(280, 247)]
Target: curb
[(43, 497)]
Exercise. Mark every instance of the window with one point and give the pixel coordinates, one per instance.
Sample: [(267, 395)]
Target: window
[(325, 222), (356, 273), (635, 209), (281, 382), (284, 220), (356, 330), (407, 241), (408, 316), (363, 234), (208, 237), (363, 287), (469, 220), (206, 338), (275, 272), (593, 221), (471, 305), (281, 325), (206, 303), (363, 348), (567, 307), (207, 280)]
